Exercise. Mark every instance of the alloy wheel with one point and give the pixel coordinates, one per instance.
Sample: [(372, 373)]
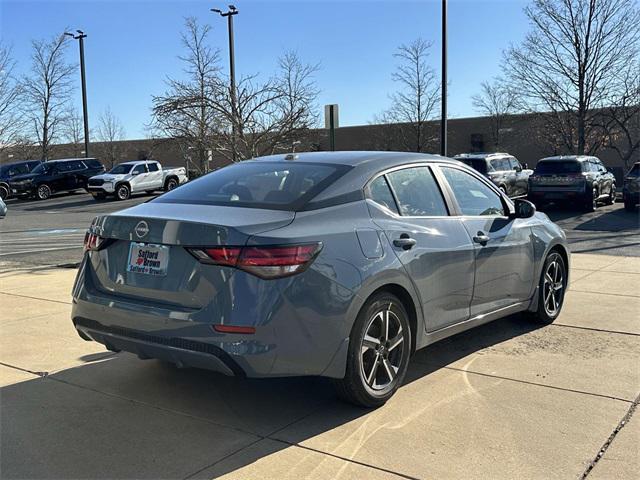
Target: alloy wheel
[(382, 349), (44, 192), (123, 193), (553, 287)]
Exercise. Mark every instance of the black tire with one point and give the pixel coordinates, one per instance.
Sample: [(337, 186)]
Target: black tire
[(377, 358), (546, 288), (611, 199), (43, 191), (629, 206), (591, 201), (4, 192), (171, 184), (123, 192)]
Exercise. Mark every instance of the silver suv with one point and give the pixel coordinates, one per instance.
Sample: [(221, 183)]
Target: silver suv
[(504, 170)]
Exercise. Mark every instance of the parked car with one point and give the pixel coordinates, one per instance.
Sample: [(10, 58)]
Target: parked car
[(338, 264), (10, 170), (504, 170), (3, 208), (128, 178), (631, 188), (572, 178), (65, 175)]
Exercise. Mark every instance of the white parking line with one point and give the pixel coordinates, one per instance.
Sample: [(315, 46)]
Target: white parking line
[(40, 250)]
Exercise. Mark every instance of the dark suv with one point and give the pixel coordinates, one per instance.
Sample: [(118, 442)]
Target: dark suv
[(631, 188), (56, 176), (10, 170), (502, 169), (579, 179)]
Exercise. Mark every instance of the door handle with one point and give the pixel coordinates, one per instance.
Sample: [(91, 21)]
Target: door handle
[(481, 238), (405, 242)]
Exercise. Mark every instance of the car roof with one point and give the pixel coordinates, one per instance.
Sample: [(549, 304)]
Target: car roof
[(364, 165), (571, 158), (60, 160), (353, 158), (20, 162), (482, 155)]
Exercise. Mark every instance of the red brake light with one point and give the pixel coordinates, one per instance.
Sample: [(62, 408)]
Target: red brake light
[(234, 329), (92, 241), (264, 262)]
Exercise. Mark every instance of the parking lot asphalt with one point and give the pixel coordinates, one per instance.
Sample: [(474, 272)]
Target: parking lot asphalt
[(507, 400), (50, 232)]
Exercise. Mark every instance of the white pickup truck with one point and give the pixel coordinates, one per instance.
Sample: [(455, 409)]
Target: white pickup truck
[(128, 178)]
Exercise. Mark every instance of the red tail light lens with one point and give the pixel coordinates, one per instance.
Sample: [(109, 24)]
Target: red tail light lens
[(92, 241), (265, 262)]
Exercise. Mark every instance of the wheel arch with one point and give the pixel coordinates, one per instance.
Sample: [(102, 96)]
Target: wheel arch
[(407, 301), (170, 177)]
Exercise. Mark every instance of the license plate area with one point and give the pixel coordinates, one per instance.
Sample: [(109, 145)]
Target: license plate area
[(148, 259)]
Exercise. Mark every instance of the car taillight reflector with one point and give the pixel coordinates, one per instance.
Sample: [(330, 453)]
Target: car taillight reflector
[(92, 241), (234, 329), (264, 261)]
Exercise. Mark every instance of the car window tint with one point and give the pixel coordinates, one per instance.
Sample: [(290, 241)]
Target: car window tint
[(473, 196), (380, 193), (76, 165), (139, 169), (417, 192), (258, 184), (153, 167)]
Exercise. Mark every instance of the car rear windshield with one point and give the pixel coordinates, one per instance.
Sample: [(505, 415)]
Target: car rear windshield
[(257, 184), (554, 166), (478, 164), (635, 171)]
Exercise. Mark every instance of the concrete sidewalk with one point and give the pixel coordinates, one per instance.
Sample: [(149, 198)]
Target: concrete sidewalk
[(506, 400)]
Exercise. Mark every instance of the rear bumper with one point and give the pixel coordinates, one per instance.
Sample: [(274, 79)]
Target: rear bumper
[(288, 341), (556, 194), (171, 349)]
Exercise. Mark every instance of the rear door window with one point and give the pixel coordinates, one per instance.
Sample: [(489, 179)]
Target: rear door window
[(258, 184), (500, 164), (153, 167), (417, 192)]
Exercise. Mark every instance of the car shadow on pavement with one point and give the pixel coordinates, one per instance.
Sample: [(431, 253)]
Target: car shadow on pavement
[(121, 417), (605, 219)]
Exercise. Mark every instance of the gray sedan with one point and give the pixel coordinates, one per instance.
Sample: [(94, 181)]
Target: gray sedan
[(336, 264)]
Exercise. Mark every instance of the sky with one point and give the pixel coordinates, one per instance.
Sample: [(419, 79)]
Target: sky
[(132, 46)]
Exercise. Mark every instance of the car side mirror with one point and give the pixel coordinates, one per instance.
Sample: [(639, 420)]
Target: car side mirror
[(526, 166), (524, 208)]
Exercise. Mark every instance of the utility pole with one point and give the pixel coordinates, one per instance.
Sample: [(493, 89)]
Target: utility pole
[(232, 73), (443, 99), (85, 115)]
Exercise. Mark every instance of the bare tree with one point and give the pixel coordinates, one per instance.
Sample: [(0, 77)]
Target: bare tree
[(47, 90), (269, 116), (184, 111), (110, 133), (415, 103), (72, 131), (497, 101), (11, 119), (620, 120), (566, 63)]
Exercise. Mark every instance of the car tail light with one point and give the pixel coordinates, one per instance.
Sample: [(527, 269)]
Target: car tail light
[(234, 329), (263, 261), (92, 241)]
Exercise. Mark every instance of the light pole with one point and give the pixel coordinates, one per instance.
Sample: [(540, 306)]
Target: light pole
[(443, 100), (232, 73), (85, 116)]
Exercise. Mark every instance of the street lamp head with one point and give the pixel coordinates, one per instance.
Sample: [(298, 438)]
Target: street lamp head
[(232, 8)]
